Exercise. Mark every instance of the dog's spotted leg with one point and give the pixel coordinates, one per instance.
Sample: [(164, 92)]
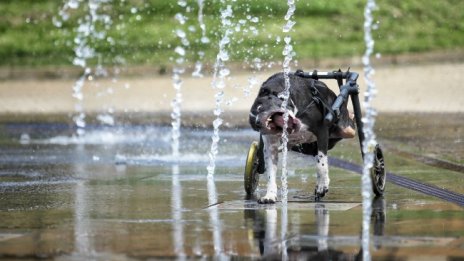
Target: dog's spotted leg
[(271, 152), (322, 186)]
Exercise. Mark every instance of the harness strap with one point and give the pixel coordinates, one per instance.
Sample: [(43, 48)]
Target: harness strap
[(323, 106), (316, 97), (315, 75), (307, 107)]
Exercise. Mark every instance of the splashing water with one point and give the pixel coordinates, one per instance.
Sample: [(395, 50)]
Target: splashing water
[(220, 73), (204, 40), (64, 13), (177, 80), (83, 52), (106, 117), (252, 81), (288, 53), (368, 128), (86, 34)]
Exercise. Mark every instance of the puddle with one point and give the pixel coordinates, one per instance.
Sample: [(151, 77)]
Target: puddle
[(292, 205)]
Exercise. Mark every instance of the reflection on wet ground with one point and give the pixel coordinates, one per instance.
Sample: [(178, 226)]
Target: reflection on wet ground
[(118, 195)]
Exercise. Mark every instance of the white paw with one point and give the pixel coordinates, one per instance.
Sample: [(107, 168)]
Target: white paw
[(269, 198), (320, 192), (322, 183)]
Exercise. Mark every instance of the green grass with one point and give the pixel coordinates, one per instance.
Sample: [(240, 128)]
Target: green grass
[(323, 29)]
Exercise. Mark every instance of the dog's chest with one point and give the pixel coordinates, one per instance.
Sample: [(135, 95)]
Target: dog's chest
[(303, 136)]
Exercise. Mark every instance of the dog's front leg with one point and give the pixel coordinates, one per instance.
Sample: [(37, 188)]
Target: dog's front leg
[(323, 179), (271, 157)]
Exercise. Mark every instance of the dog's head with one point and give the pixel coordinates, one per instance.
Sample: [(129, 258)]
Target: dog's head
[(266, 114)]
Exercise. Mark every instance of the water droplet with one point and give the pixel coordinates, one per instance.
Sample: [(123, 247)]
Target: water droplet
[(217, 123), (224, 72), (205, 39), (179, 50), (180, 33), (106, 119), (25, 138), (56, 22), (80, 132), (224, 55), (181, 18), (288, 26), (73, 4), (287, 39), (182, 3)]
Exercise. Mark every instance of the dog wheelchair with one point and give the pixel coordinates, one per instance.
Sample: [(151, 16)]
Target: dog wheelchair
[(255, 159)]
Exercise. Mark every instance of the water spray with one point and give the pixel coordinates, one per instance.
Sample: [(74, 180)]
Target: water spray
[(288, 53), (369, 143), (220, 73), (204, 40), (177, 82)]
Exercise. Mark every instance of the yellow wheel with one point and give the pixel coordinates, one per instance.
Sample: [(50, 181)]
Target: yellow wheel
[(251, 169)]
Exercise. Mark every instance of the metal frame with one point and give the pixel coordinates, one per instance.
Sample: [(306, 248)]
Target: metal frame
[(350, 88)]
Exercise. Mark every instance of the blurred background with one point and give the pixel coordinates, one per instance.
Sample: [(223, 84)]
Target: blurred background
[(41, 34)]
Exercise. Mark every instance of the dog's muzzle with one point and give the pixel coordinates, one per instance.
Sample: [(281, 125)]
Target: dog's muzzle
[(273, 122)]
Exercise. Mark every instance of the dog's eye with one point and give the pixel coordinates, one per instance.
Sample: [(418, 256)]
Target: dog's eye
[(264, 92)]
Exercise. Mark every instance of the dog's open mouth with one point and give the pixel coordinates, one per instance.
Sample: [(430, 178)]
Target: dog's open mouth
[(275, 122)]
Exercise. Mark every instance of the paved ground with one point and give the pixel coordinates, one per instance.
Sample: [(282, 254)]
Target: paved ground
[(117, 194)]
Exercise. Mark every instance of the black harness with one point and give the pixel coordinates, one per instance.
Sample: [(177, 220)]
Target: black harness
[(317, 99)]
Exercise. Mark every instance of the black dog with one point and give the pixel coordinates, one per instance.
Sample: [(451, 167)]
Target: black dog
[(308, 103)]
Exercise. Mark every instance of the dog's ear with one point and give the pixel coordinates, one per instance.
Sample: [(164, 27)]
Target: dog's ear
[(299, 72)]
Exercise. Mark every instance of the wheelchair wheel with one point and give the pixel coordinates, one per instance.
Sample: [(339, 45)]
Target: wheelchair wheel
[(251, 176), (378, 173)]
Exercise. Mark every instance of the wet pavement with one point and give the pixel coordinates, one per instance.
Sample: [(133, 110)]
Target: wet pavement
[(117, 194)]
